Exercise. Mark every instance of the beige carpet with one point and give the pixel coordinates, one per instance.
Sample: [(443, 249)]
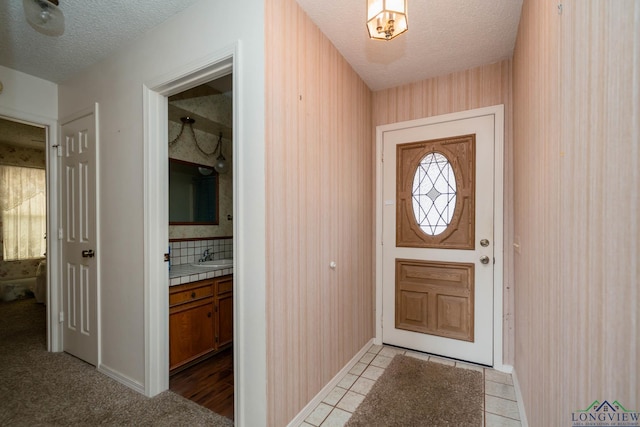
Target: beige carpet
[(56, 389), (412, 392)]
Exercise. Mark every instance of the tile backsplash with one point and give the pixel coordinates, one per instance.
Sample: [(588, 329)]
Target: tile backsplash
[(190, 251)]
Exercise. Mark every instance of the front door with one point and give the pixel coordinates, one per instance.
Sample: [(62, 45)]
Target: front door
[(79, 241), (437, 237)]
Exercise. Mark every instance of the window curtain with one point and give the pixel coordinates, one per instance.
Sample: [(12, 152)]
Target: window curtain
[(23, 208)]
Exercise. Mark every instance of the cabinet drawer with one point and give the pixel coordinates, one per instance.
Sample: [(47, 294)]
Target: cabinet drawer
[(225, 285), (190, 294)]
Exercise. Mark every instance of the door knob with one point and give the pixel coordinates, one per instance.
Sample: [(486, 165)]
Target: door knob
[(484, 243), (484, 259), (88, 254)]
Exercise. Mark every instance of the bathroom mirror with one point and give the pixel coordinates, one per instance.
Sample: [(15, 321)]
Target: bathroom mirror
[(193, 194)]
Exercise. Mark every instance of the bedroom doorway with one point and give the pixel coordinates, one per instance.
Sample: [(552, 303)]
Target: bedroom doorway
[(23, 214)]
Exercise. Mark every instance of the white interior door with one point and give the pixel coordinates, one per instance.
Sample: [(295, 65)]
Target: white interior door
[(438, 238), (78, 147)]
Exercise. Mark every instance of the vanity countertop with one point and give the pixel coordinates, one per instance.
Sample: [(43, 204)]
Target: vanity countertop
[(187, 273)]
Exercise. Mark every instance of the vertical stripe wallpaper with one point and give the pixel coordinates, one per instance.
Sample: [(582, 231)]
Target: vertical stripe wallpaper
[(576, 166), (319, 192)]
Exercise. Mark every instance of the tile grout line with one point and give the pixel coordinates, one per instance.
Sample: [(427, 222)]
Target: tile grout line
[(501, 397), (503, 416), (396, 351), (350, 387), (333, 407)]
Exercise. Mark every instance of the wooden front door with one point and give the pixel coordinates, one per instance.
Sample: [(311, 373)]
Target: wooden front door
[(437, 238)]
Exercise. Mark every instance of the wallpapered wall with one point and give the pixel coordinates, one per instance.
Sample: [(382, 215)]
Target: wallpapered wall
[(219, 109), (19, 156), (319, 170), (576, 98)]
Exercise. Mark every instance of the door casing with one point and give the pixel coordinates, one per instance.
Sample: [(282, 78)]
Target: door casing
[(156, 236), (498, 112)]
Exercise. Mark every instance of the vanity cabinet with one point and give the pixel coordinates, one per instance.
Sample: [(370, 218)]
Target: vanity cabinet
[(224, 309), (200, 319)]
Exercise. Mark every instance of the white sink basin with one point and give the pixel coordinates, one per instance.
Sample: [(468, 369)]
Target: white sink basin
[(216, 263)]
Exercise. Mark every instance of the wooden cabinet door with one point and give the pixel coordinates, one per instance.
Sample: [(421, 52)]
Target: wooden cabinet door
[(191, 332), (225, 320)]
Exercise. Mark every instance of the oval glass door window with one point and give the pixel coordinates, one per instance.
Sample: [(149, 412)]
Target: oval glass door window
[(434, 193)]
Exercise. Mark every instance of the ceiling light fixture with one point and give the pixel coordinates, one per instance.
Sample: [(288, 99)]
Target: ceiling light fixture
[(386, 19), (44, 16), (221, 163)]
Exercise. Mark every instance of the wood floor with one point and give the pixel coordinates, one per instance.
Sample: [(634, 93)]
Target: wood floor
[(209, 383)]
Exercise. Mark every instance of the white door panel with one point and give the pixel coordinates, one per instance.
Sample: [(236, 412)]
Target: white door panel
[(480, 348), (79, 238)]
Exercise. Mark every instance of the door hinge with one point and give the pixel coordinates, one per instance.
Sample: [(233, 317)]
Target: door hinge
[(216, 308), (61, 317), (216, 339), (60, 233), (58, 149)]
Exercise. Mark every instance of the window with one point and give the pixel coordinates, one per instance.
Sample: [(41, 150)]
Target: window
[(23, 210), (434, 193)]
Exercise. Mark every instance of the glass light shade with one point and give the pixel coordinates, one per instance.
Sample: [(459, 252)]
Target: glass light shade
[(386, 19), (205, 171), (44, 16), (221, 165)]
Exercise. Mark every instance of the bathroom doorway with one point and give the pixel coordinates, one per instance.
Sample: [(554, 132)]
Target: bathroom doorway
[(201, 242), (23, 216)]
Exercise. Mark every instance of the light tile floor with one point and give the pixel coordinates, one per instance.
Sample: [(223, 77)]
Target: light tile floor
[(500, 405)]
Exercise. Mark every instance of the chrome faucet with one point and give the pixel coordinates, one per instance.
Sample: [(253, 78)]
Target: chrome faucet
[(205, 255)]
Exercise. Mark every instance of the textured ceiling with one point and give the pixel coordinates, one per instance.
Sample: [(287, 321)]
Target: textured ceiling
[(93, 30), (444, 36)]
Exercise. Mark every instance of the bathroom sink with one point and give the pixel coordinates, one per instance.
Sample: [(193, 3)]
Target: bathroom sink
[(215, 263)]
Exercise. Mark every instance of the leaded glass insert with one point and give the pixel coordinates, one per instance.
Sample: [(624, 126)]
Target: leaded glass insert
[(434, 193)]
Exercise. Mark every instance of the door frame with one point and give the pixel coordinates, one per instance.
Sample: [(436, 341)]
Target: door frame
[(498, 208), (156, 216), (53, 307)]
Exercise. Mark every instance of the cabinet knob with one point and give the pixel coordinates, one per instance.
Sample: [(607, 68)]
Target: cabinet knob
[(209, 314), (193, 294)]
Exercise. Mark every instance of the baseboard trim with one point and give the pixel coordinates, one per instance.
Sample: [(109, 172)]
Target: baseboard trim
[(516, 386), (121, 378), (307, 410), (507, 369)]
